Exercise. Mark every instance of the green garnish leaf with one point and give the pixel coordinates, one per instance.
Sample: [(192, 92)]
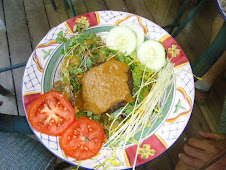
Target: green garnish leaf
[(58, 40), (96, 117), (75, 28), (75, 70), (60, 37), (60, 34), (86, 26), (89, 113), (89, 62), (64, 79), (129, 109)]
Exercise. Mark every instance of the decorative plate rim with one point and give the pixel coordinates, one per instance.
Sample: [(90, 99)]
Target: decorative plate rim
[(184, 93)]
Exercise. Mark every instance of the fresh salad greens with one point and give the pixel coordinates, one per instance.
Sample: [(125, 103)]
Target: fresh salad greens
[(83, 51)]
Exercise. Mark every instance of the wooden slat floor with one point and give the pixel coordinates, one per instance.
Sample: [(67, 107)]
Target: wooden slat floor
[(23, 23)]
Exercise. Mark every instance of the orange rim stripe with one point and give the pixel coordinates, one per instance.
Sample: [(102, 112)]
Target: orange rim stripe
[(183, 113), (181, 65), (35, 55), (161, 140), (126, 159), (144, 27), (33, 92), (69, 29), (121, 20), (98, 17), (165, 37), (45, 45), (37, 62)]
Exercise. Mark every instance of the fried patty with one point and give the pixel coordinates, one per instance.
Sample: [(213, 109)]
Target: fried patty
[(123, 103), (107, 87)]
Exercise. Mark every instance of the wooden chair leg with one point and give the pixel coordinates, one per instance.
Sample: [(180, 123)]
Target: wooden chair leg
[(71, 8), (190, 16), (171, 26), (66, 4), (53, 4), (178, 16)]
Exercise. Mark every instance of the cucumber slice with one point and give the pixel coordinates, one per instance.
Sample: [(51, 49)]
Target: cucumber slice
[(121, 38), (152, 54), (138, 30)]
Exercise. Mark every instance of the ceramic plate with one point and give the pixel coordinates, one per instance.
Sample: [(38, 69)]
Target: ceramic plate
[(221, 4), (43, 69)]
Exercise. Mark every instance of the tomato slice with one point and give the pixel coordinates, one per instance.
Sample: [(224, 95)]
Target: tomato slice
[(83, 139), (51, 113)]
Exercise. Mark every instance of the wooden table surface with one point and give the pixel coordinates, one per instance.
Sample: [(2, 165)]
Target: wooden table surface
[(23, 23)]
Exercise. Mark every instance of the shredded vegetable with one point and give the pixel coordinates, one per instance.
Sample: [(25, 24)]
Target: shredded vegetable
[(132, 123)]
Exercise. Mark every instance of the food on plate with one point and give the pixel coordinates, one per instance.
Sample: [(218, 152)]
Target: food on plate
[(138, 30), (152, 53), (122, 38), (106, 85), (51, 113), (83, 139), (116, 88), (97, 94)]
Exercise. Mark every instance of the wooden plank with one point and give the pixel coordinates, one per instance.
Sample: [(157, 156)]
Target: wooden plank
[(37, 23), (6, 79), (220, 89), (18, 41), (205, 23), (174, 9), (196, 123), (160, 163), (79, 7), (212, 110), (116, 5), (141, 167), (152, 5), (192, 33), (176, 148), (95, 5), (195, 38), (162, 12), (37, 20), (56, 17), (139, 7), (210, 26)]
